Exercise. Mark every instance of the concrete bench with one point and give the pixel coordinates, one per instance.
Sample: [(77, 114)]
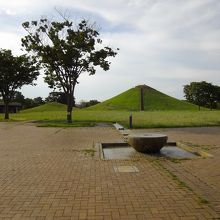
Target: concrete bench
[(118, 126)]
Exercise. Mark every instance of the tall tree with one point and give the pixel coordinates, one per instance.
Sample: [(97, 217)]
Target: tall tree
[(15, 71), (202, 94), (66, 51), (193, 94)]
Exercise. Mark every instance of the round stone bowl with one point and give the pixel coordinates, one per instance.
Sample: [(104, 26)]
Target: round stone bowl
[(147, 143)]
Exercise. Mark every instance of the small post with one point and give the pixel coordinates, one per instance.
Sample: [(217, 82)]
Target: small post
[(130, 121)]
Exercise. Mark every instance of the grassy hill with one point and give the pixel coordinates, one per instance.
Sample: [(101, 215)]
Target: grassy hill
[(48, 107), (153, 100)]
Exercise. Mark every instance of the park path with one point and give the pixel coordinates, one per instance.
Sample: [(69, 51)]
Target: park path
[(51, 173)]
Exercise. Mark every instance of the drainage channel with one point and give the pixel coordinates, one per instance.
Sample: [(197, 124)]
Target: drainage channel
[(123, 151)]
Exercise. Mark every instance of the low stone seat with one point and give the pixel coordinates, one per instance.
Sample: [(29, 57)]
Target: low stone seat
[(147, 143), (118, 126)]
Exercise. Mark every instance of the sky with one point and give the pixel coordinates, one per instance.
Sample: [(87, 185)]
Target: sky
[(164, 44)]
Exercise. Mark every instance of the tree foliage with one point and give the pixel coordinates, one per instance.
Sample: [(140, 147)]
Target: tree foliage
[(18, 97), (27, 102), (202, 94), (59, 97), (85, 104), (66, 51), (15, 71)]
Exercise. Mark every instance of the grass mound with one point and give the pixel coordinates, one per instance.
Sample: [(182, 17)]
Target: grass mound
[(48, 107), (153, 101)]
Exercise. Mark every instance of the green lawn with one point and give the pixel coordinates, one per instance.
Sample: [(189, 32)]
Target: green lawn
[(161, 110), (55, 115)]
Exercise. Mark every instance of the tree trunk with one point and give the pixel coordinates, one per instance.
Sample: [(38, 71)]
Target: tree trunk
[(6, 110), (69, 108)]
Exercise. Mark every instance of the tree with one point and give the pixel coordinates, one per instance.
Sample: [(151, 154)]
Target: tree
[(218, 93), (18, 97), (85, 104), (15, 71), (58, 97), (38, 101), (210, 95), (31, 103), (202, 94), (27, 102), (193, 94), (65, 52)]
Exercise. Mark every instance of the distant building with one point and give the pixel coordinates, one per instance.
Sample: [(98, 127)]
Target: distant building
[(13, 107)]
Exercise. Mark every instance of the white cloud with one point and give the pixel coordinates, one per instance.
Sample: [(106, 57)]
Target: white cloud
[(162, 42), (21, 5), (10, 41)]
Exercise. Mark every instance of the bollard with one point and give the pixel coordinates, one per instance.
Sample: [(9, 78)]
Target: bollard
[(130, 121)]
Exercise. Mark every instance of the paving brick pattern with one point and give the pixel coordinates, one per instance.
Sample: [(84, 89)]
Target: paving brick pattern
[(47, 173), (202, 174)]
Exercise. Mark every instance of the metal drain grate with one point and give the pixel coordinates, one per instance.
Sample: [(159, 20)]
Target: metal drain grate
[(126, 169)]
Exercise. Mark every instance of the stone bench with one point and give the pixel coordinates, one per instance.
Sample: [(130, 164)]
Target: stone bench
[(118, 126)]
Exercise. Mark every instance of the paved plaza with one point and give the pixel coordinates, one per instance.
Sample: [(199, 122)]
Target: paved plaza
[(57, 173)]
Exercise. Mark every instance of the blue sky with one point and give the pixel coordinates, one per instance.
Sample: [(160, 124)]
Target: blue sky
[(163, 43)]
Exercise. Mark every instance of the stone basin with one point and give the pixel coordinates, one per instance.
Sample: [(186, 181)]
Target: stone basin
[(147, 143)]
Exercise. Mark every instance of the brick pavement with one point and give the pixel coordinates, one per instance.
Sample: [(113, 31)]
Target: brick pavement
[(201, 175), (45, 173)]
